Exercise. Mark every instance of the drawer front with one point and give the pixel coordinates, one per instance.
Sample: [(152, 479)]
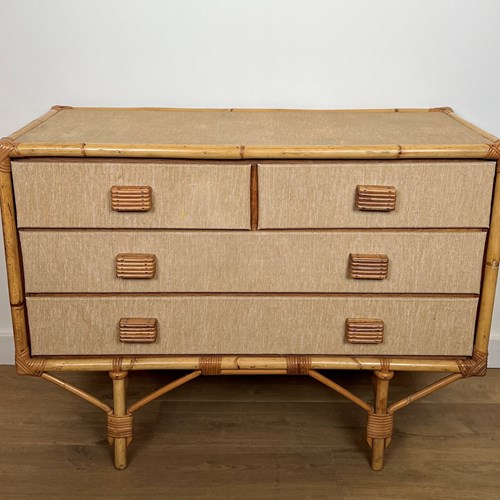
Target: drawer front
[(283, 261), (394, 194), (132, 194), (251, 325)]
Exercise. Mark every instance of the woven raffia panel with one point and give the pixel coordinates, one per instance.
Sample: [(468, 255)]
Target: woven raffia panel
[(322, 195), (264, 261), (252, 325), (206, 195)]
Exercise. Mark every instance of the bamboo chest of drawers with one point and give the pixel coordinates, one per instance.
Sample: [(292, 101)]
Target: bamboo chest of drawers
[(250, 242)]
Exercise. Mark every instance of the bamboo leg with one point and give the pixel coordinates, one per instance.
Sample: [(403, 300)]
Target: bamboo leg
[(381, 398), (120, 410)]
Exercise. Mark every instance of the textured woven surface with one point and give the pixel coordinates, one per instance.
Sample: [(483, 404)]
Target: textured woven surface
[(252, 325), (84, 261), (250, 128), (185, 195), (429, 194)]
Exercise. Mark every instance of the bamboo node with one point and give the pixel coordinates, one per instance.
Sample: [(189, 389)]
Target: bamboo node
[(210, 365), (475, 366), (379, 426), (120, 427), (298, 365), (493, 264), (118, 375), (494, 151), (444, 109), (26, 365)]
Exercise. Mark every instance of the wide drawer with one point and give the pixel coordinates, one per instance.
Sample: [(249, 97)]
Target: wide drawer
[(396, 194), (174, 194), (230, 261), (251, 325)]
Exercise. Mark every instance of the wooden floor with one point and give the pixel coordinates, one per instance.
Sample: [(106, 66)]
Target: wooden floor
[(247, 437)]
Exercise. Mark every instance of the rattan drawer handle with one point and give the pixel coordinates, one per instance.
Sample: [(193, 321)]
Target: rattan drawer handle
[(131, 198), (376, 198), (138, 330), (135, 265), (364, 330), (368, 266)]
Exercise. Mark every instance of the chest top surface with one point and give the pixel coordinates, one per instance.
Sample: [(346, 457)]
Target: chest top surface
[(240, 133)]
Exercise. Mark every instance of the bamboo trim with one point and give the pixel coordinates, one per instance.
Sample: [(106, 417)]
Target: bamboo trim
[(341, 390), (24, 364), (252, 152), (64, 364), (78, 392), (488, 287), (256, 110), (119, 413), (380, 424), (8, 148), (163, 390), (254, 372), (424, 392)]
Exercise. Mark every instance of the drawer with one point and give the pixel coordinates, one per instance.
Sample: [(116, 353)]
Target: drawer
[(250, 325), (326, 194), (251, 261), (174, 194)]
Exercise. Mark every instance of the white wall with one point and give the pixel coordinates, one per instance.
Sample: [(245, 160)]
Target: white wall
[(240, 53)]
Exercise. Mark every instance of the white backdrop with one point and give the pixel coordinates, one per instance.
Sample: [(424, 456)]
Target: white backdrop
[(241, 53)]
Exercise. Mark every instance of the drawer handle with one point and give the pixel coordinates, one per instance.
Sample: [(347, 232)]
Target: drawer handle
[(364, 330), (135, 265), (376, 198), (368, 266), (131, 198), (138, 330)]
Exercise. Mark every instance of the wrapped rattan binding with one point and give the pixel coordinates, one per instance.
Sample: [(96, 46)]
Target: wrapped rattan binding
[(298, 365), (476, 366), (210, 365), (494, 151), (120, 427), (26, 365), (379, 426)]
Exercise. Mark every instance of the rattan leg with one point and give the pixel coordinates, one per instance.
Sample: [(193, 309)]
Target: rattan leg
[(380, 423), (119, 417)]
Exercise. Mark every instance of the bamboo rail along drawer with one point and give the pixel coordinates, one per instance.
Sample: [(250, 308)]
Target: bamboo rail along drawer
[(226, 242)]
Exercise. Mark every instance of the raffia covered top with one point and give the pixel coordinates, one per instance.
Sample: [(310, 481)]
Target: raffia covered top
[(249, 133)]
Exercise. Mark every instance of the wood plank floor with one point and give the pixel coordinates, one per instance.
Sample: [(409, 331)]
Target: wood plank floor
[(248, 437)]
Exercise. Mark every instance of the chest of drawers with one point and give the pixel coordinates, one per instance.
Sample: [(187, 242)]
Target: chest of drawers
[(225, 242)]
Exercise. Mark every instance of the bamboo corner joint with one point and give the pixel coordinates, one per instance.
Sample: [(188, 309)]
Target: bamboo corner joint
[(380, 413)]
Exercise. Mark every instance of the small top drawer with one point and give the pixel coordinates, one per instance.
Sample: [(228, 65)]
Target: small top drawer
[(397, 194), (132, 194)]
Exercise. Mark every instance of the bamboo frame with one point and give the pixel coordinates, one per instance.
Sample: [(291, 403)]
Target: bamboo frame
[(120, 416)]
